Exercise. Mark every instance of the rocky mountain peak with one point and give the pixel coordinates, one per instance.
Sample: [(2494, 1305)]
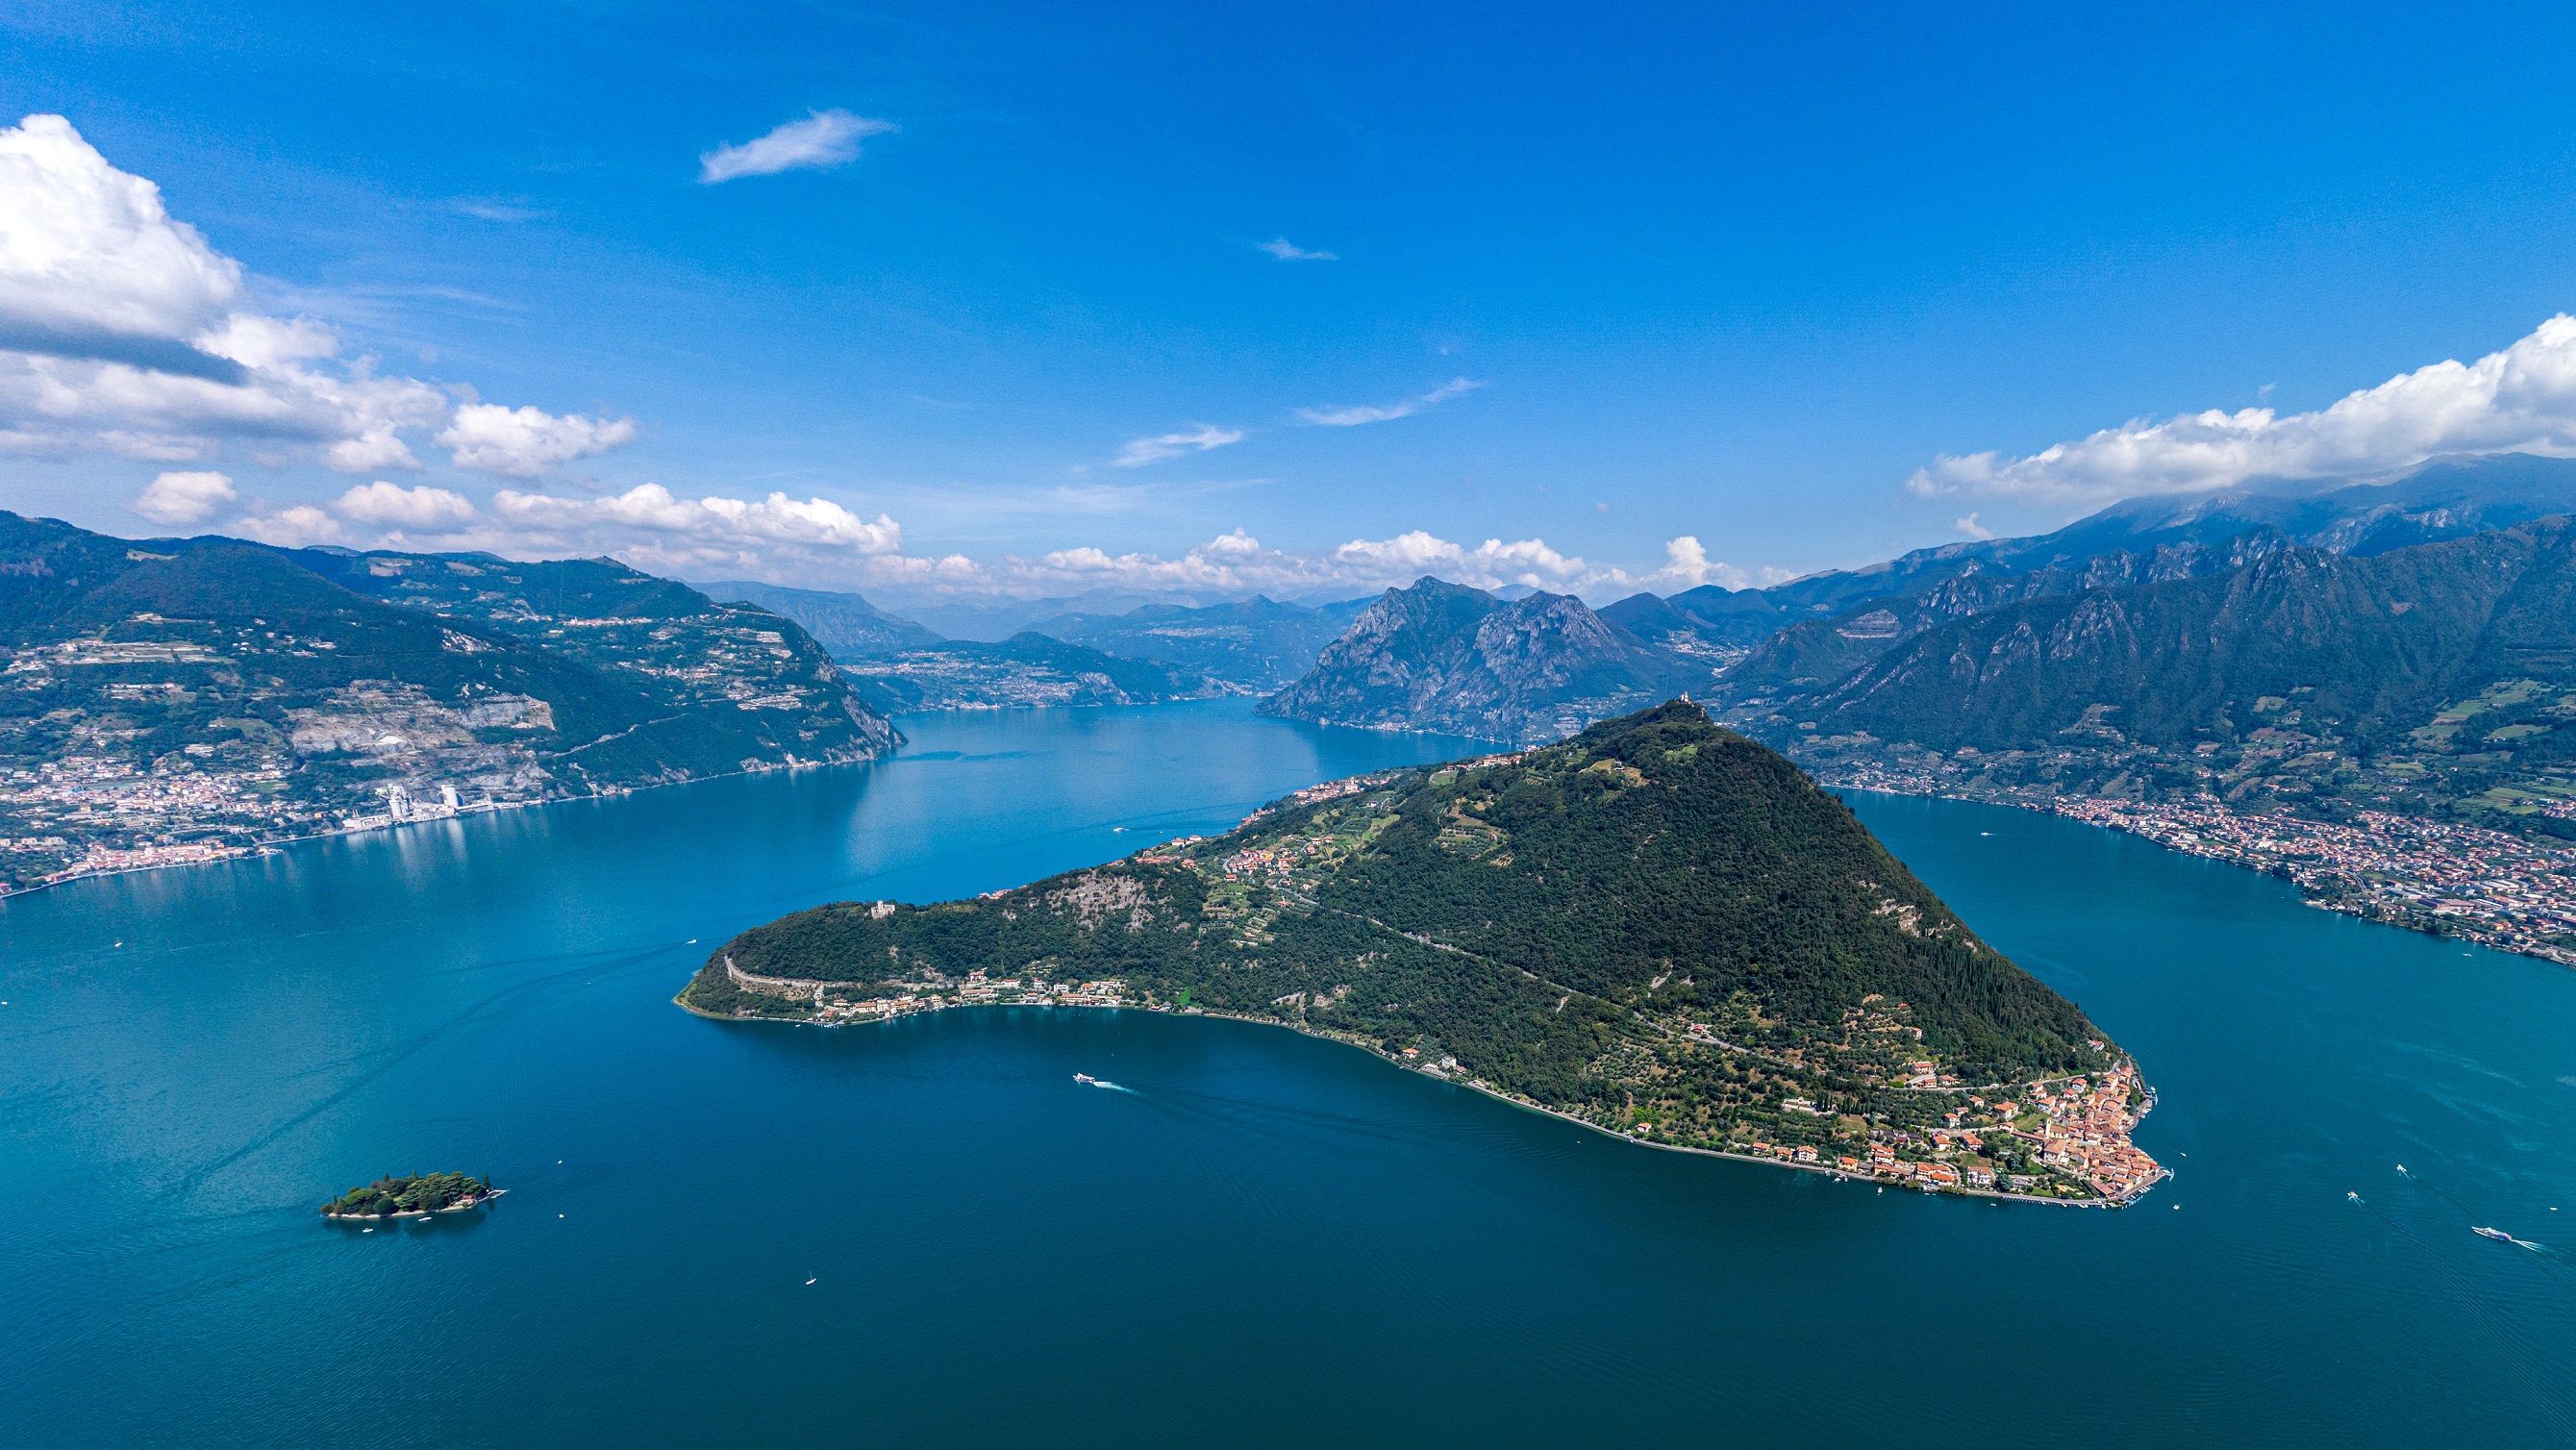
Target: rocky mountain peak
[(1447, 657)]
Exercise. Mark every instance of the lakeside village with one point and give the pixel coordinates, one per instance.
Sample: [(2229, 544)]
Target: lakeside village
[(2501, 891), (838, 1003), (2067, 1137), (244, 812), (2062, 1140), (2079, 1126)]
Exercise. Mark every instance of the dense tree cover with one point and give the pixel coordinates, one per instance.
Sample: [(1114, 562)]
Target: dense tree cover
[(414, 1193), (2375, 644), (1555, 922), (1659, 845), (1816, 653)]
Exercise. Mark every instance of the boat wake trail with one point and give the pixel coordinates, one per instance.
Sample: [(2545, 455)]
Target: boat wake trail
[(2394, 1225), (2547, 1254)]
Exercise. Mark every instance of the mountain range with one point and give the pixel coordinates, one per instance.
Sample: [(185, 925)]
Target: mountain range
[(1257, 645), (1885, 651), (1028, 669), (2405, 636), (210, 693), (1444, 657), (2447, 498), (847, 625), (2371, 645)]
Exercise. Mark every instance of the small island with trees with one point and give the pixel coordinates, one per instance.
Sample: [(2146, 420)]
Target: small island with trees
[(420, 1193)]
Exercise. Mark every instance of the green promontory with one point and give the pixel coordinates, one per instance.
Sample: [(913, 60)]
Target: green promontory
[(1657, 926)]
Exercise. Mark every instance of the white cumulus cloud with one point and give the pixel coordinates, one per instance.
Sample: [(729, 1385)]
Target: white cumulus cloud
[(825, 138), (525, 442), (122, 331), (1237, 564), (1200, 439), (1353, 417), (374, 449), (2521, 399), (1490, 565), (1688, 566), (683, 527), (184, 498), (391, 506), (292, 528), (91, 263)]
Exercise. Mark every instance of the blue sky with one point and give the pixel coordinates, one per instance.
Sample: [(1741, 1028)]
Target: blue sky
[(1742, 278)]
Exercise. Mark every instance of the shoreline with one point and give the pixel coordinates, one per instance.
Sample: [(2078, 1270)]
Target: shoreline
[(278, 847), (1497, 1094), (2359, 909)]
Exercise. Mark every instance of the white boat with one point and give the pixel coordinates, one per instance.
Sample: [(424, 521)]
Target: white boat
[(1085, 1077)]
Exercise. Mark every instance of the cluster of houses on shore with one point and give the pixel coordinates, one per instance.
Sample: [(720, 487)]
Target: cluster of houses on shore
[(978, 989), (2082, 1132), (2085, 1131), (2502, 890)]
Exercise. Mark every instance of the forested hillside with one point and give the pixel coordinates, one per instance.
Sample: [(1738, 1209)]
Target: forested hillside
[(178, 696), (2369, 645), (1658, 922)]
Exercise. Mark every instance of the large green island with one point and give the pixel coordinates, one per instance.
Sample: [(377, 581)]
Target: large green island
[(1657, 928)]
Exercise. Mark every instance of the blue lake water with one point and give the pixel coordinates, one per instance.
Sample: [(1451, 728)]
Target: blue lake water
[(1269, 1240)]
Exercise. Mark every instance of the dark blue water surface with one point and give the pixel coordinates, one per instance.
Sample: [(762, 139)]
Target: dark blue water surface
[(1267, 1240)]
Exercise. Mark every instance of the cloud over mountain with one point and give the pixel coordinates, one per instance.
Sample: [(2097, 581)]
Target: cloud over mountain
[(184, 498), (421, 508), (2520, 399)]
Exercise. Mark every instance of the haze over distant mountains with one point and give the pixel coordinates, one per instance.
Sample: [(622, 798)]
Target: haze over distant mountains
[(844, 624), (1028, 669), (1438, 656), (2407, 645), (1445, 657)]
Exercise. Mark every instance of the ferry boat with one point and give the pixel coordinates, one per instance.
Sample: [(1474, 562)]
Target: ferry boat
[(2492, 1233)]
